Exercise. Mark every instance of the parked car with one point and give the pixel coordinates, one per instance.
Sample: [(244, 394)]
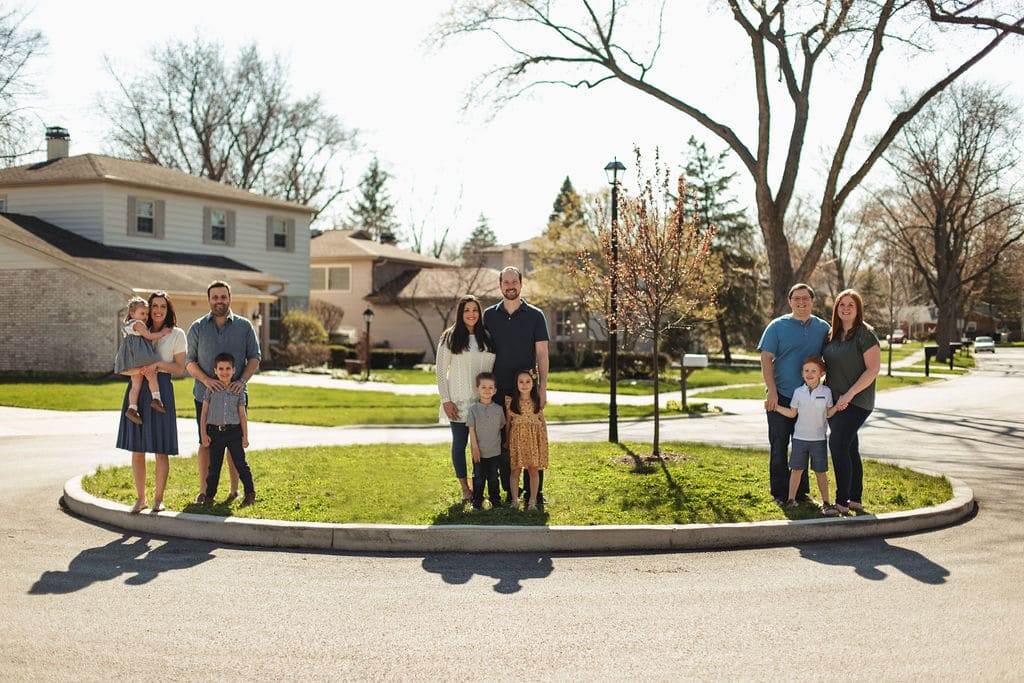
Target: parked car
[(984, 344), (898, 336)]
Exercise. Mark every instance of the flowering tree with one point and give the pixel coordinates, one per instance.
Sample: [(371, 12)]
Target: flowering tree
[(663, 273)]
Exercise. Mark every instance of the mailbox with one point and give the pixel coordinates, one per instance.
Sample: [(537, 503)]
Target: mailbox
[(695, 360), (691, 362)]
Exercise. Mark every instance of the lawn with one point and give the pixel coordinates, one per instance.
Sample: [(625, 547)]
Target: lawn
[(588, 483), (285, 404), (590, 380)]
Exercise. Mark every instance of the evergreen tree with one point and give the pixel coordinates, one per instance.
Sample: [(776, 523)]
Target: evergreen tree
[(556, 250), (373, 210), (739, 312), (481, 237)]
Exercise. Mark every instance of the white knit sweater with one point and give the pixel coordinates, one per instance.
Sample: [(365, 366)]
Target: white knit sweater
[(456, 376)]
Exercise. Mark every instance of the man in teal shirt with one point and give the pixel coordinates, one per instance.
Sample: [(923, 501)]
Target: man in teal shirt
[(784, 345)]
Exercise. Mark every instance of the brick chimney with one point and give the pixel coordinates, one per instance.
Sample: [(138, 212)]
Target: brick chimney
[(57, 143)]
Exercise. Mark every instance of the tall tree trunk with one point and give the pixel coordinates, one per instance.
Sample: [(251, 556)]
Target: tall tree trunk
[(723, 336)]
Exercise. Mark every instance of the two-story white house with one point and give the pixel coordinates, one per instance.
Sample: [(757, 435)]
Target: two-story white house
[(79, 235)]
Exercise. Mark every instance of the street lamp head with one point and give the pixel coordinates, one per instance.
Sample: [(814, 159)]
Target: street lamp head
[(612, 170), (368, 316)]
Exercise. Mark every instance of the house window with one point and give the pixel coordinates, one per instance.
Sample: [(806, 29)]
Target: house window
[(318, 279), (563, 324), (146, 217), (274, 318), (280, 234), (218, 226), (3, 202), (335, 279)]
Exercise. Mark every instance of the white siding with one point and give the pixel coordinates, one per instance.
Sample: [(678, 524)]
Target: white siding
[(78, 208), (183, 231)]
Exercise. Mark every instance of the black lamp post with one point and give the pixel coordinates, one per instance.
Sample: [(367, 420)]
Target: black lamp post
[(368, 317), (612, 171)]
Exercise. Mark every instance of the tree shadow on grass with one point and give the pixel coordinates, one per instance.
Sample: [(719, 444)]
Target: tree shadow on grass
[(869, 555), (509, 569), (128, 555)]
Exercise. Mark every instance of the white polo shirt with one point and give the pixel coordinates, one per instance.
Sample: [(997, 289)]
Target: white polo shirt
[(811, 406)]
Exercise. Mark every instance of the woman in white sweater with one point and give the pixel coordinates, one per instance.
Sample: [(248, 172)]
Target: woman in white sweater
[(465, 350)]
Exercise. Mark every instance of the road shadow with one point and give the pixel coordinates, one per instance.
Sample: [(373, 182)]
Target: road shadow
[(129, 556), (867, 557), (508, 569)]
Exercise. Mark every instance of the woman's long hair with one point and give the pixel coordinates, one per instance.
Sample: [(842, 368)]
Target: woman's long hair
[(456, 337), (172, 318), (534, 393), (837, 324)]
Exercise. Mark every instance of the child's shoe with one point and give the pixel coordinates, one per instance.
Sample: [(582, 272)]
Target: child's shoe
[(133, 416), (791, 503), (829, 510), (474, 507), (158, 406), (532, 505)]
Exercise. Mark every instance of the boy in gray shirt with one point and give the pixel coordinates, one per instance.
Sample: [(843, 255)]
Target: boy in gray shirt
[(485, 420)]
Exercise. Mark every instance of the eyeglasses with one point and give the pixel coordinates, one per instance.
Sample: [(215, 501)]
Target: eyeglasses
[(800, 298)]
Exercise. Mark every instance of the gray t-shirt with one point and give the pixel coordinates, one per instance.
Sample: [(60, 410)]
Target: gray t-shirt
[(487, 419)]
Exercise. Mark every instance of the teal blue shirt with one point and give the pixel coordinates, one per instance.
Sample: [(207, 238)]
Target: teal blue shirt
[(790, 341)]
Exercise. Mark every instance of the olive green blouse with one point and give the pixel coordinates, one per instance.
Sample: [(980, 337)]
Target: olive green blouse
[(844, 364)]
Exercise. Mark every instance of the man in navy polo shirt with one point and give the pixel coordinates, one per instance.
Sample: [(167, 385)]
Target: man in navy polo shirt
[(520, 335), (786, 342)]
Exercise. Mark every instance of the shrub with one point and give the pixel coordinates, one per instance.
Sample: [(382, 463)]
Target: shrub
[(382, 359), (300, 327), (329, 315), (305, 355), (636, 365), (340, 353)]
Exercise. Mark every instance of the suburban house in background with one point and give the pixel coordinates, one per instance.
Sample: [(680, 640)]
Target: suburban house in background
[(80, 235), (413, 297), (568, 329)]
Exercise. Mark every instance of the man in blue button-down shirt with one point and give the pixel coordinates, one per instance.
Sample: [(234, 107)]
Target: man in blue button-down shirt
[(221, 331), (784, 345)]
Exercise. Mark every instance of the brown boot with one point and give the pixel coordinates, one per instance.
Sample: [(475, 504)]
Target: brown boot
[(250, 499), (158, 406), (133, 416)]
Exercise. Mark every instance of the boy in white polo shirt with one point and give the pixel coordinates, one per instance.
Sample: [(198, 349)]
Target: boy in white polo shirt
[(811, 406)]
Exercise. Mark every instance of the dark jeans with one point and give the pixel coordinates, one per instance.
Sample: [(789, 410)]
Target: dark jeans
[(780, 430), (231, 439), (460, 437), (486, 471), (845, 447)]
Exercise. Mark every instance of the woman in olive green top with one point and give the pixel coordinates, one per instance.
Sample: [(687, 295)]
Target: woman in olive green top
[(852, 360)]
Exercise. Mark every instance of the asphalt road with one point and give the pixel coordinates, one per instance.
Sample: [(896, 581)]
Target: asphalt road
[(85, 602)]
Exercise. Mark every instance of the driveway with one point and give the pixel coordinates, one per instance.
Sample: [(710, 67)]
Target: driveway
[(87, 602)]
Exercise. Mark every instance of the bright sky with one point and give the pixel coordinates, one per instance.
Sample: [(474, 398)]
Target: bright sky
[(368, 61)]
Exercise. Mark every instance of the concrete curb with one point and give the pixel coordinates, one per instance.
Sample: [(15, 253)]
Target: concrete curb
[(397, 538)]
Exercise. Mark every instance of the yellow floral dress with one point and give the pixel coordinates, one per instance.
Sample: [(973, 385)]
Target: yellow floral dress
[(527, 436)]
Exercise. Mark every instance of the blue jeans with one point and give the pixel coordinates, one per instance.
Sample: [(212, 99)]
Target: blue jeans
[(845, 447), (460, 438), (780, 429)]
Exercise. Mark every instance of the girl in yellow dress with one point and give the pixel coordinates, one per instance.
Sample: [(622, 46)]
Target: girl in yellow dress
[(527, 436)]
